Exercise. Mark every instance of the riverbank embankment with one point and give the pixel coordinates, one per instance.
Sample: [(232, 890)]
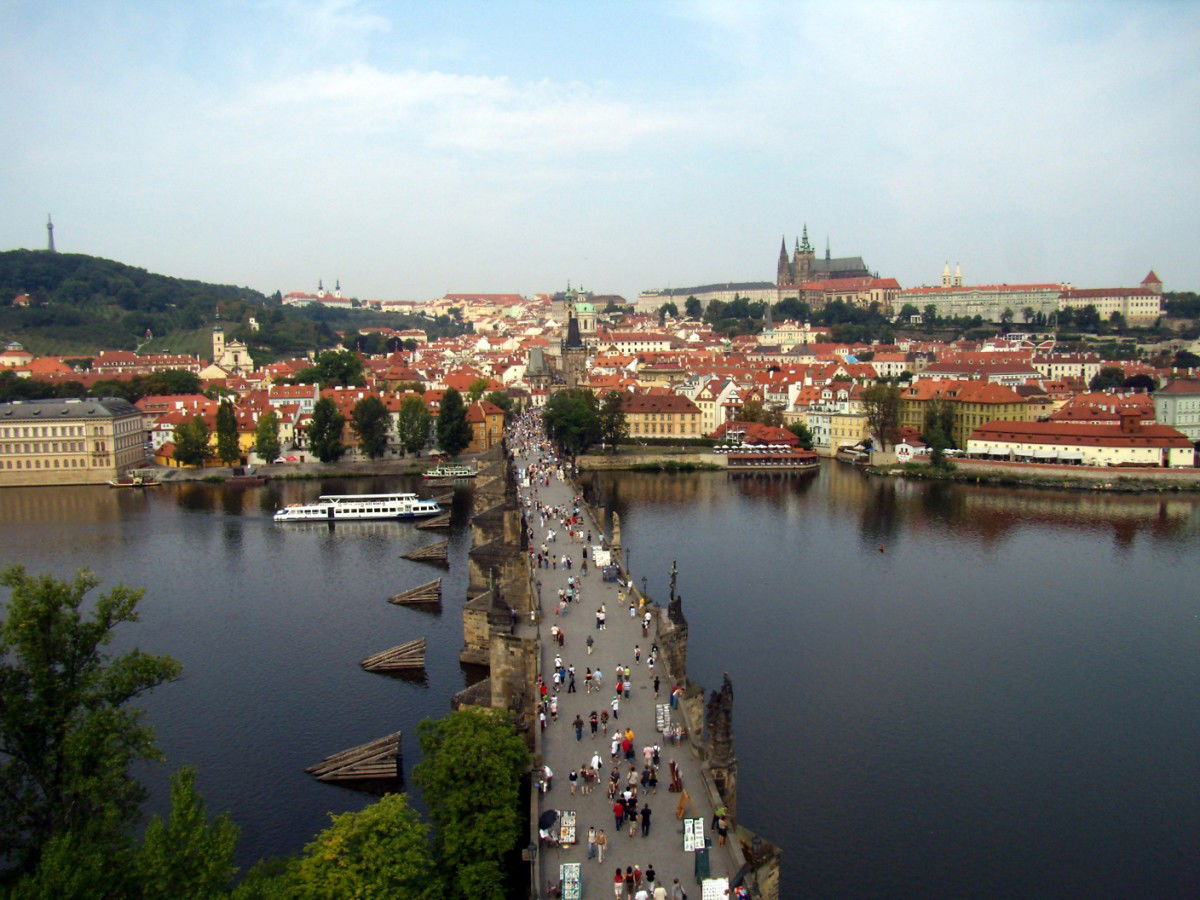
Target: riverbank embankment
[(652, 459), (1038, 475)]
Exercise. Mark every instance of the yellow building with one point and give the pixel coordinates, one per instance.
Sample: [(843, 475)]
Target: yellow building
[(661, 415), (46, 442), (974, 403)]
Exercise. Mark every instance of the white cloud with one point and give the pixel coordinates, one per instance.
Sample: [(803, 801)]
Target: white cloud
[(484, 114)]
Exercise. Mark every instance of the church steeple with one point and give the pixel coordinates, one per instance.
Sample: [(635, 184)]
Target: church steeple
[(805, 246)]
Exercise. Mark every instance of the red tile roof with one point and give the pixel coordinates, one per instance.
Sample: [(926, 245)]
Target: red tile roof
[(1080, 434)]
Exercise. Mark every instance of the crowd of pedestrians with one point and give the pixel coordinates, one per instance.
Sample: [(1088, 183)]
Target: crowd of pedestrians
[(560, 539)]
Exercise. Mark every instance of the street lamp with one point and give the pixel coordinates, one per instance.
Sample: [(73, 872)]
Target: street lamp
[(643, 585)]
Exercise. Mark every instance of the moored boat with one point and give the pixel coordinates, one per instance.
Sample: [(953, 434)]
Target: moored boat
[(451, 470), (795, 460), (135, 479), (358, 507)]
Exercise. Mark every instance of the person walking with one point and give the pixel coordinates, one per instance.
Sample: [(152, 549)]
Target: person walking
[(646, 822), (601, 844), (578, 723), (593, 722), (619, 814), (591, 842), (615, 703)]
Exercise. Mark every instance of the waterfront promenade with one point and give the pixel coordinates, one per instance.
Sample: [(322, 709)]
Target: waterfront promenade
[(663, 848)]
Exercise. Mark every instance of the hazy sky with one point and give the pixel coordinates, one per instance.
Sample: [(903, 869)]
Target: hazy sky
[(411, 149)]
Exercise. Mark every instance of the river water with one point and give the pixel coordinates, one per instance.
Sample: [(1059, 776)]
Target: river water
[(940, 690), (944, 690)]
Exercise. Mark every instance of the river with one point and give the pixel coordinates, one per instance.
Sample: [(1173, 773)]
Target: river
[(944, 690), (940, 689)]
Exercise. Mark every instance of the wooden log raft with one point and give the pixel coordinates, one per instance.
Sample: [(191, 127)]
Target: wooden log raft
[(438, 554), (427, 594), (377, 759), (403, 658), (442, 521)]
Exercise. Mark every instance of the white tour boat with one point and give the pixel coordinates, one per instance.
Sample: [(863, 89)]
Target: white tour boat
[(357, 507)]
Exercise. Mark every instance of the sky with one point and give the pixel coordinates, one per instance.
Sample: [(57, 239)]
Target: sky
[(414, 149)]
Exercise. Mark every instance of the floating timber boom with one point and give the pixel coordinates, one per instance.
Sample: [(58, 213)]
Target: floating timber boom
[(406, 657), (428, 594), (375, 760), (442, 521), (438, 554)]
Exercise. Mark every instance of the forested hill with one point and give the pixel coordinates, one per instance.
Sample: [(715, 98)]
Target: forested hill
[(81, 304), (80, 299)]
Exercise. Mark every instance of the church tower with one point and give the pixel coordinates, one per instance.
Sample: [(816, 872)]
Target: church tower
[(218, 344), (574, 353), (946, 275), (802, 259)]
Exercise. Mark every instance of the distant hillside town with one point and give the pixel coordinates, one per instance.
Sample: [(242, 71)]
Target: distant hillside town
[(991, 367)]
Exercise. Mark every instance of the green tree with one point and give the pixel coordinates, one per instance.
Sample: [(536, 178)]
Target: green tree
[(227, 433), (266, 436), (1140, 382), (412, 424), (613, 426), (930, 316), (191, 441), (333, 368), (325, 431), (171, 381), (500, 399), (907, 311), (380, 851), (370, 421), (470, 774), (476, 389), (800, 430), (186, 856), (882, 404), (1107, 377), (572, 419), (752, 411), (68, 734), (667, 309), (453, 430), (693, 308), (939, 417)]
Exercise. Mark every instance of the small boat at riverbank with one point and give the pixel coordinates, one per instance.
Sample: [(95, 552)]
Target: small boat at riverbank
[(359, 507), (449, 470), (246, 475), (135, 480), (856, 456)]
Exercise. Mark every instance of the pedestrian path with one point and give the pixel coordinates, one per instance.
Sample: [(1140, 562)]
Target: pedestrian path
[(620, 643)]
